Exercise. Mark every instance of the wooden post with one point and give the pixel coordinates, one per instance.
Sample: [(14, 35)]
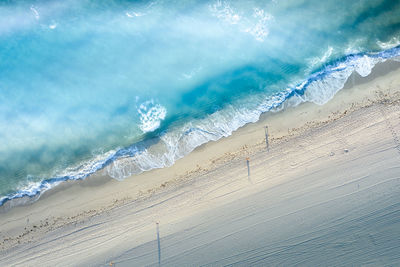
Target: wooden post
[(248, 167), (266, 138), (159, 245)]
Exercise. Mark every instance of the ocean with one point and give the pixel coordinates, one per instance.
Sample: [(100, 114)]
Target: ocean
[(130, 86)]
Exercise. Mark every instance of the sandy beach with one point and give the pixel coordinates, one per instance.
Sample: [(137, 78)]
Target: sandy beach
[(326, 191)]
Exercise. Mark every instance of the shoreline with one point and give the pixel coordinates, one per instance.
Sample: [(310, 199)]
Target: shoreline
[(74, 205), (305, 92)]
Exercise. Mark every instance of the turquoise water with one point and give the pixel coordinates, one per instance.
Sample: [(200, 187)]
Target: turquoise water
[(133, 85)]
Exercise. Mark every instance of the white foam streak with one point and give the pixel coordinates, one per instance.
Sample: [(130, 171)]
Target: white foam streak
[(151, 115), (33, 190), (321, 91), (255, 25), (53, 25), (390, 44), (223, 11), (35, 13), (134, 14), (260, 30), (316, 61)]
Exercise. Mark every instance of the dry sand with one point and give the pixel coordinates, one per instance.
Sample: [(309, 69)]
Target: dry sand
[(326, 193)]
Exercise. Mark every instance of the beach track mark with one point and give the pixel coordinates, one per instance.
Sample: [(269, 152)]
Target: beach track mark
[(391, 128)]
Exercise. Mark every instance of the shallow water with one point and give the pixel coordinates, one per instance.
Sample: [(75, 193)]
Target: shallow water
[(131, 86)]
